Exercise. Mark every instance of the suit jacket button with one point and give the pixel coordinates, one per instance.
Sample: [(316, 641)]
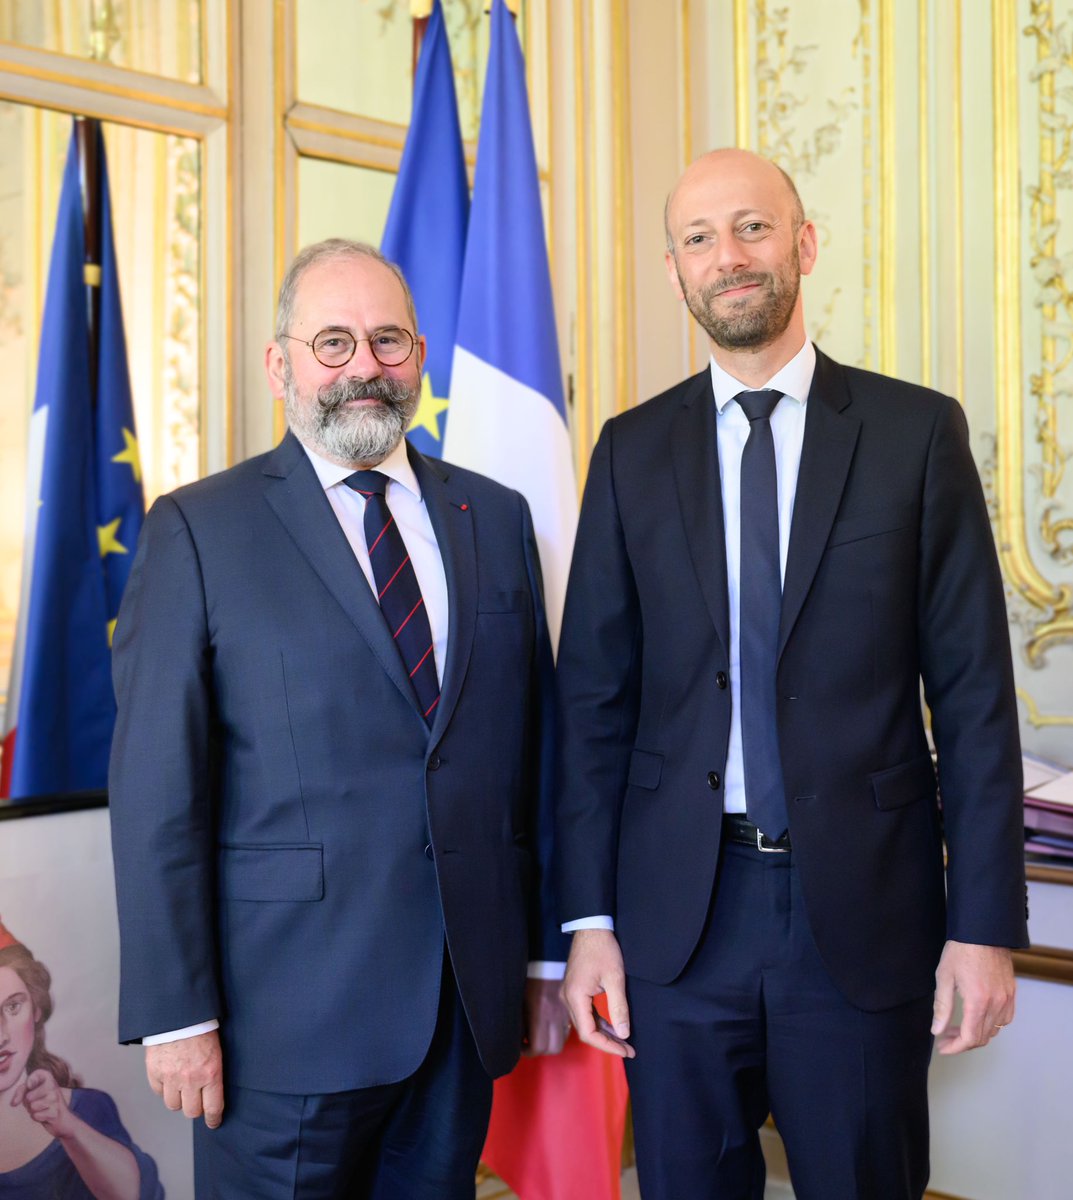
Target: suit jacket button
[(721, 680), (428, 852), (434, 762), (714, 780)]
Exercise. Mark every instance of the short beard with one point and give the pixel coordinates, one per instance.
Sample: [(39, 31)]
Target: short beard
[(358, 436), (749, 324)]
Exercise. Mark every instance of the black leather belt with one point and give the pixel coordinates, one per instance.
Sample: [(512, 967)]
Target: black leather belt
[(738, 828)]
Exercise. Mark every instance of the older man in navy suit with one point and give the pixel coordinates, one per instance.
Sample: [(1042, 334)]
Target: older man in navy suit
[(332, 671), (771, 557)]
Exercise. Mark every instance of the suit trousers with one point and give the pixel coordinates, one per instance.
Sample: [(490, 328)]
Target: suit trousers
[(417, 1139), (755, 1025)]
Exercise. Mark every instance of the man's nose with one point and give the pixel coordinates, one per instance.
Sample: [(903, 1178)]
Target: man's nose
[(364, 364), (731, 255)]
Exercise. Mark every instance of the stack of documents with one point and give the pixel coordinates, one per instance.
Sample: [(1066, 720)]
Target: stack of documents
[(1048, 810)]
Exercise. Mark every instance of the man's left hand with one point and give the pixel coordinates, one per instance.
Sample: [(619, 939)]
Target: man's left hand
[(983, 977), (547, 1023)]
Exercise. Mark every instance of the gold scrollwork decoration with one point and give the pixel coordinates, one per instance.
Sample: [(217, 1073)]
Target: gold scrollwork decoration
[(182, 366), (1053, 77), (1042, 609), (1037, 719), (777, 62)]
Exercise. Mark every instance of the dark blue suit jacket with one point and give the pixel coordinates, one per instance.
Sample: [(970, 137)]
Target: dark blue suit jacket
[(891, 578), (292, 844)]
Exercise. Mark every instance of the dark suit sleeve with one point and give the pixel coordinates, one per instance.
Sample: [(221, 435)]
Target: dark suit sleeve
[(968, 683), (161, 786), (599, 697), (546, 941)]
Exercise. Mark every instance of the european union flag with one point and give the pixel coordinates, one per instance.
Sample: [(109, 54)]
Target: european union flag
[(85, 489), (426, 225)]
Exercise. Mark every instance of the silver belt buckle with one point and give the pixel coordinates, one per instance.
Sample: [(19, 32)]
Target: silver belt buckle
[(772, 849)]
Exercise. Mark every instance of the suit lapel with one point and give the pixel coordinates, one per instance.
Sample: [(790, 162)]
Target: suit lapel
[(830, 440), (448, 509), (695, 453), (295, 495)]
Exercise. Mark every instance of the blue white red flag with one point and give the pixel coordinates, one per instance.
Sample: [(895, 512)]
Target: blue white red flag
[(508, 415)]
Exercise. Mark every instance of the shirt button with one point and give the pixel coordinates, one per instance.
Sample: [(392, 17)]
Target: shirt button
[(713, 780), (721, 680), (434, 762), (428, 852)]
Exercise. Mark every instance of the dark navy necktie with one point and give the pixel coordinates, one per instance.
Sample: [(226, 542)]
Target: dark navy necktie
[(760, 605), (397, 589)]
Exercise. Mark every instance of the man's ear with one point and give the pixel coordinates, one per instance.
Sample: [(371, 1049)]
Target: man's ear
[(807, 247), (672, 274), (275, 369)]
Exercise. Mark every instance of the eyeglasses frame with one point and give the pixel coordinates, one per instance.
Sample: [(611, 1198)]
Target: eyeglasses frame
[(357, 342)]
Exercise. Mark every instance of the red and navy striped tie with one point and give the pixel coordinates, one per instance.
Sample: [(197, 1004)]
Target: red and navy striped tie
[(398, 590)]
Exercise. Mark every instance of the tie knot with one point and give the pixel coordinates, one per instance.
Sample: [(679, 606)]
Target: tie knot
[(367, 482), (758, 405)]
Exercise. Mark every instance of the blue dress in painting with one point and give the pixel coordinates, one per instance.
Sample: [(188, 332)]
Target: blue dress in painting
[(52, 1176)]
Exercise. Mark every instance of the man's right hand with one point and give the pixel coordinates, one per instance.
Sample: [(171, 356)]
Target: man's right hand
[(189, 1075), (595, 966)]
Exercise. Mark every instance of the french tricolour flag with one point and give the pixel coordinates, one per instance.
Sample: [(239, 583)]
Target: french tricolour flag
[(508, 416)]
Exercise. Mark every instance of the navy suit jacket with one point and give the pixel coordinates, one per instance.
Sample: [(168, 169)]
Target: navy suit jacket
[(292, 843), (891, 578)]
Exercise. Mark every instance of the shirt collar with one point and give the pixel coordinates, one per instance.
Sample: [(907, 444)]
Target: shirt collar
[(794, 379), (396, 466)]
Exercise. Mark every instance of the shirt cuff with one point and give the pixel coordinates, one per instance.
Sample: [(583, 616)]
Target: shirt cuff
[(588, 923), (177, 1035), (546, 970)]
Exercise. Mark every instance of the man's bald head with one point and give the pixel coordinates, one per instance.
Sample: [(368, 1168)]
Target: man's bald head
[(727, 160)]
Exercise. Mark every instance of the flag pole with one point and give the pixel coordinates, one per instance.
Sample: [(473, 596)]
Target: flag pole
[(86, 138), (420, 10), (103, 35)]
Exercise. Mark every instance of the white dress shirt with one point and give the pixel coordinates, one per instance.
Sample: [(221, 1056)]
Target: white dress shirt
[(731, 430)]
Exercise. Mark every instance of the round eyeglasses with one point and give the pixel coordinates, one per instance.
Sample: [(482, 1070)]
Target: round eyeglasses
[(335, 347)]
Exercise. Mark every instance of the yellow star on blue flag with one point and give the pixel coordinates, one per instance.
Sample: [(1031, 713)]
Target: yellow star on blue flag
[(106, 537), (429, 408), (130, 455)]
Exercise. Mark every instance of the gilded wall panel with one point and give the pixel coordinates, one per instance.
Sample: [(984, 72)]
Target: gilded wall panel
[(160, 37), (1032, 489), (355, 55)]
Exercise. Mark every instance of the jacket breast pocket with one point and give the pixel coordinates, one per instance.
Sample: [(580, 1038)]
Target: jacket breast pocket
[(292, 873), (855, 527), (904, 784)]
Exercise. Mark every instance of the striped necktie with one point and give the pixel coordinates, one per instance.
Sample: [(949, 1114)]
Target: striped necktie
[(398, 591)]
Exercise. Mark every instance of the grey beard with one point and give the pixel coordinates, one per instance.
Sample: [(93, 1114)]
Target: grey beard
[(361, 436)]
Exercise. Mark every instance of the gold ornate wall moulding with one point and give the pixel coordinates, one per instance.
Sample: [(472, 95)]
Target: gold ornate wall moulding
[(1042, 608), (1037, 719)]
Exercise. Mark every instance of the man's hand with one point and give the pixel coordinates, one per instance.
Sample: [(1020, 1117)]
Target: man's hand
[(595, 966), (547, 1023), (189, 1075), (983, 976)]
